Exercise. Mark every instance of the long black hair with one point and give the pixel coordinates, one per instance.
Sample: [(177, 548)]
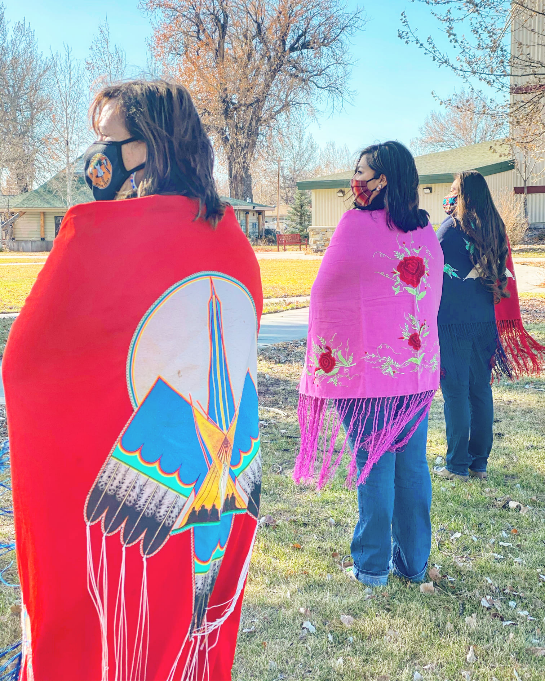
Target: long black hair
[(180, 159), (478, 218), (400, 196)]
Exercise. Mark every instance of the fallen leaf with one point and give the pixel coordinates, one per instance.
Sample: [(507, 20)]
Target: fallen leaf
[(471, 657), (305, 612), (383, 677), (449, 626), (391, 635), (335, 554), (540, 652), (309, 627), (485, 603), (524, 509), (434, 574), (347, 620), (427, 588), (338, 664), (472, 621), (514, 505), (514, 531), (466, 676), (331, 521), (267, 520), (15, 609), (297, 546)]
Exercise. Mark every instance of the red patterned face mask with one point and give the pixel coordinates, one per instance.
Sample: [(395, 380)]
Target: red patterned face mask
[(362, 193)]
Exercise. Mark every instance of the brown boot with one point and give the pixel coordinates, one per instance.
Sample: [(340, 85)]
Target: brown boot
[(443, 472), (481, 475)]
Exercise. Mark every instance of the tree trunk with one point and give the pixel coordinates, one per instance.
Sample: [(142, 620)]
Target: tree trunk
[(240, 181)]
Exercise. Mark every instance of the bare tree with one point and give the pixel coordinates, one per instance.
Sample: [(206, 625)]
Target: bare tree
[(498, 42), (335, 159), (68, 117), (465, 120), (249, 63), (107, 62), (298, 154), (24, 106)]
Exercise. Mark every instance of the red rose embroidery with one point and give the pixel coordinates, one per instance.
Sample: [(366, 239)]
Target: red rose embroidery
[(326, 361), (414, 341), (411, 270)]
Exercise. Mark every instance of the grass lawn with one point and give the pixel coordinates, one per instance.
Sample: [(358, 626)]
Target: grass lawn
[(281, 279), (15, 284), (483, 550), (397, 630)]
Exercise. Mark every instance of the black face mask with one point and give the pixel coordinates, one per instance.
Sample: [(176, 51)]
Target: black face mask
[(105, 172)]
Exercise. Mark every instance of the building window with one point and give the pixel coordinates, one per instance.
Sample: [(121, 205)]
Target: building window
[(58, 222)]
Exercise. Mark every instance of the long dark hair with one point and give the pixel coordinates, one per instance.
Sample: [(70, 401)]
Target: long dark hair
[(478, 218), (180, 159), (400, 196)]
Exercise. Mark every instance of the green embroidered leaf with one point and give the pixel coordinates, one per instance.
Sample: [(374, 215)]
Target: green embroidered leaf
[(397, 289), (415, 360), (412, 290), (341, 358), (334, 371), (448, 269), (421, 295), (319, 372)]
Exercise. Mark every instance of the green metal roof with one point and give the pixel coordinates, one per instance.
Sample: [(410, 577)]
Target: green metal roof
[(238, 203), (488, 158)]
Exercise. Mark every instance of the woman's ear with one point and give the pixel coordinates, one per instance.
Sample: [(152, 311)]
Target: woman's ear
[(382, 180)]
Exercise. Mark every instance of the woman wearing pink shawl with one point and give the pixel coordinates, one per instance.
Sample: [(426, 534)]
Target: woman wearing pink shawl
[(372, 364)]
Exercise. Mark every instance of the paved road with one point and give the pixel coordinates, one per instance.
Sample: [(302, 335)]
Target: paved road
[(280, 327)]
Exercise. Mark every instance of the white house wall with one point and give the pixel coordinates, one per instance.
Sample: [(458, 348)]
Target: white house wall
[(27, 227), (433, 202), (328, 208)]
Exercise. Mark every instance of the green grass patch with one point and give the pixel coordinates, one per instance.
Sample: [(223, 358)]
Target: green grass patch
[(5, 326), (398, 630), (284, 278), (281, 279), (16, 282)]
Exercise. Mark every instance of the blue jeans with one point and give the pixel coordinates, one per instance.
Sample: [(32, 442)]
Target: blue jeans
[(394, 527), (469, 407)]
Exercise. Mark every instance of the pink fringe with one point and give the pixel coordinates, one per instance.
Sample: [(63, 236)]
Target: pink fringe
[(321, 421)]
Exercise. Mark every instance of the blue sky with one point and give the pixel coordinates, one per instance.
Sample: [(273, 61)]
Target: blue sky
[(393, 81)]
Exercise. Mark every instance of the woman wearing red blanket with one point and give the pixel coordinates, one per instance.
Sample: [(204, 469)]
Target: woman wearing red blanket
[(130, 380)]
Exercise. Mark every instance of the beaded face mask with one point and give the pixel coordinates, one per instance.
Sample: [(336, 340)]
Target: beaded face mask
[(449, 203)]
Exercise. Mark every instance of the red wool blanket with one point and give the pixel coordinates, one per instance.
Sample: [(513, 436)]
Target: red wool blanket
[(130, 380)]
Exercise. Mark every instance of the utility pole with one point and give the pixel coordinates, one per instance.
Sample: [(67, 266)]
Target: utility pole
[(278, 199)]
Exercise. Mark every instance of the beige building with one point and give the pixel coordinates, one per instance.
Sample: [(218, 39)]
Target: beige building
[(331, 194)]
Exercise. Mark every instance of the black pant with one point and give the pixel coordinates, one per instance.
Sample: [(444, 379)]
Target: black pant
[(466, 359)]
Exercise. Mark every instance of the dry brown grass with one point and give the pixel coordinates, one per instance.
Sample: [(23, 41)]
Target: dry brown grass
[(511, 208)]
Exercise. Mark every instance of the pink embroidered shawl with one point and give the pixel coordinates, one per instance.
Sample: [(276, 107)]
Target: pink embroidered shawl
[(372, 334)]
